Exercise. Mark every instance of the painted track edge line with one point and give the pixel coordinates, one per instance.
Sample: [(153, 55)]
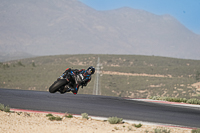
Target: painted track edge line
[(167, 103)]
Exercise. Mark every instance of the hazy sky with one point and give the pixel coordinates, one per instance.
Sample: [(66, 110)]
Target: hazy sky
[(185, 11)]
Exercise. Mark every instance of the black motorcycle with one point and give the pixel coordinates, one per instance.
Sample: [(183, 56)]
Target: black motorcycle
[(63, 83)]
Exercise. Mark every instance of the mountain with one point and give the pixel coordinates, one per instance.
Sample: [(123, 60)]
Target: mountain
[(52, 27)]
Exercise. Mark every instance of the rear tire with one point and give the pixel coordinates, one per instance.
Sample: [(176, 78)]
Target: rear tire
[(57, 85)]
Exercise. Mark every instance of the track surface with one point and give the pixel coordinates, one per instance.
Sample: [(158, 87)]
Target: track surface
[(102, 106)]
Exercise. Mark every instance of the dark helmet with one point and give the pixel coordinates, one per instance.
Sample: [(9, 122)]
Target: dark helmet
[(91, 69)]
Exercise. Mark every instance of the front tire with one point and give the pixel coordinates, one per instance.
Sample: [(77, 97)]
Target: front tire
[(57, 85)]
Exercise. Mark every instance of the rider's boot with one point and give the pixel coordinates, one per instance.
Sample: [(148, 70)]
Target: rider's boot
[(66, 88), (74, 91)]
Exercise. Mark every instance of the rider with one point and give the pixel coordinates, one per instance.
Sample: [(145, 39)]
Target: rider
[(77, 78)]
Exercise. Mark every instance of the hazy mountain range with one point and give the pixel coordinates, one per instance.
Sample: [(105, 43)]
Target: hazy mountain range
[(50, 27)]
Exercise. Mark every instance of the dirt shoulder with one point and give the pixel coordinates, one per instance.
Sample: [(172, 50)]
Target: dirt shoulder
[(23, 122)]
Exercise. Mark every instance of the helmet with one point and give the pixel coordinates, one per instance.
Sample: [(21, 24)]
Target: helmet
[(91, 69)]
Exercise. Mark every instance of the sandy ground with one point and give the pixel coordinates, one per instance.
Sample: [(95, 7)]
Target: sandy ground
[(38, 123)]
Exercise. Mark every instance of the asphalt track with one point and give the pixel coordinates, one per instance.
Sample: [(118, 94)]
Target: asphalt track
[(103, 106)]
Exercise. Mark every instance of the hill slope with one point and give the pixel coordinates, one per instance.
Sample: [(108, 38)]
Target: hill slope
[(121, 75)]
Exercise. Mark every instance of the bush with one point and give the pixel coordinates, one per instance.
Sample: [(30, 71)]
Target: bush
[(174, 99), (58, 118), (195, 131), (193, 101), (155, 97), (19, 113), (33, 64), (85, 116), (53, 118), (138, 126), (69, 116), (49, 115), (184, 100), (20, 64), (162, 130), (4, 108), (114, 120)]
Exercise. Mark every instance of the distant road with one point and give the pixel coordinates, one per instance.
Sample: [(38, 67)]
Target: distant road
[(103, 106)]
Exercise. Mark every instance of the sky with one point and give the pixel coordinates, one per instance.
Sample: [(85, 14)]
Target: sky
[(185, 11)]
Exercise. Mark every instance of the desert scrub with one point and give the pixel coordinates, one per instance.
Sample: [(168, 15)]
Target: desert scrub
[(68, 115), (4, 108), (49, 115), (161, 130), (84, 116), (1, 107), (114, 120), (195, 130), (138, 125), (19, 113), (193, 101), (26, 114), (130, 128), (53, 118), (175, 99)]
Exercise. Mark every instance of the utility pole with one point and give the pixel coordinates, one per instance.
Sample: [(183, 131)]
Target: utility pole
[(97, 88)]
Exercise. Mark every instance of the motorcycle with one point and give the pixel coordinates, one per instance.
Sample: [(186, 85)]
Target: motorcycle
[(65, 82)]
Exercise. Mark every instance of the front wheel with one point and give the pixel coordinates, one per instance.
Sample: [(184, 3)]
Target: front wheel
[(57, 85)]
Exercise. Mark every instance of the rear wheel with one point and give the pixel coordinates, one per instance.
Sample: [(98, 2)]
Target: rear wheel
[(57, 85)]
